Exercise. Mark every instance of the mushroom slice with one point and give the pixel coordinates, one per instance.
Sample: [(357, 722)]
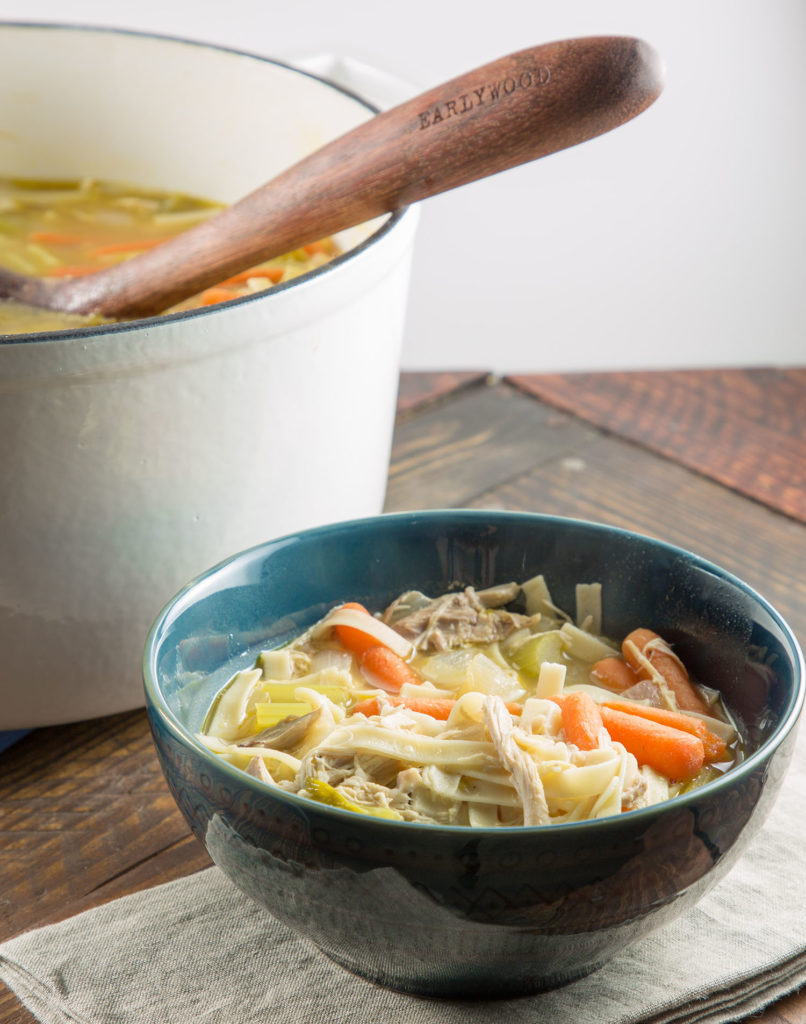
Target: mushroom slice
[(286, 734)]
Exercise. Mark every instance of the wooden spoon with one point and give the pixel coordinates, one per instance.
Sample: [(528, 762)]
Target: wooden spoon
[(518, 108)]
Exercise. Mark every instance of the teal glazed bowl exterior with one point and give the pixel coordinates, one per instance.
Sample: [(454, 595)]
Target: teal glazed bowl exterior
[(461, 912)]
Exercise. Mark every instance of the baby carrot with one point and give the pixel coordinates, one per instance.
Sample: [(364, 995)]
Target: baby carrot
[(686, 723), (384, 668), (677, 755), (715, 748), (614, 674), (582, 720), (664, 662), (354, 639)]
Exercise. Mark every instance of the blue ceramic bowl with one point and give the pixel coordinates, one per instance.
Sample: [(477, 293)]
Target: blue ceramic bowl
[(457, 911)]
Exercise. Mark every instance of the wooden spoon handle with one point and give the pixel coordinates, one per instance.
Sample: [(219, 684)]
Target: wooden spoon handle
[(513, 110)]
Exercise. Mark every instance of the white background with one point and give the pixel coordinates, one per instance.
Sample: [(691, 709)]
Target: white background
[(676, 240)]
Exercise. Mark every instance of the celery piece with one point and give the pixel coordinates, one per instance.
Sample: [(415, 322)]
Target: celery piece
[(272, 712), (324, 793), (287, 691), (530, 655)]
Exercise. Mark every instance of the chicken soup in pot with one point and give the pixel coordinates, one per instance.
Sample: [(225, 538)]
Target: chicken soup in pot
[(68, 228)]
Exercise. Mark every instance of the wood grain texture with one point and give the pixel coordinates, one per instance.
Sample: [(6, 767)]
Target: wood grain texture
[(449, 453), (745, 428), (83, 809)]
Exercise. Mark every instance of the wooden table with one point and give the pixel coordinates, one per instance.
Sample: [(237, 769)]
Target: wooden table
[(712, 460)]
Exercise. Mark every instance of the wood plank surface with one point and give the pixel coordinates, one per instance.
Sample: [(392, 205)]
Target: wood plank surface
[(418, 389), (745, 428), (85, 814), (484, 436)]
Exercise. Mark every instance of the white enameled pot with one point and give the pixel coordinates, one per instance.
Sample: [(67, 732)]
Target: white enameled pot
[(134, 457)]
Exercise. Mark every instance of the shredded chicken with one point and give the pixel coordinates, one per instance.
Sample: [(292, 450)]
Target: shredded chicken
[(455, 620), (633, 787), (525, 776), (364, 791), (257, 767), (330, 768)]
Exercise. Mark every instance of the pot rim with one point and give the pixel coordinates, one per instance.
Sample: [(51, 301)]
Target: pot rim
[(157, 704), (95, 330)]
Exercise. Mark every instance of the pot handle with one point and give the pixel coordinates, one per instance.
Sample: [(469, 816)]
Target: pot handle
[(380, 88)]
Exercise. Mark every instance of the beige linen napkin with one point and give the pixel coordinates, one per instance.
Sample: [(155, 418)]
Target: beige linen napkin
[(197, 950)]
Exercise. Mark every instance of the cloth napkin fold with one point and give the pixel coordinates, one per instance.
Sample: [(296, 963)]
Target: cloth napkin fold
[(198, 950)]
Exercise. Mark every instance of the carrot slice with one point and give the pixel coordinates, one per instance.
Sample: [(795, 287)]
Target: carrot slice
[(133, 245), (677, 755), (55, 238), (274, 274), (315, 248), (211, 296)]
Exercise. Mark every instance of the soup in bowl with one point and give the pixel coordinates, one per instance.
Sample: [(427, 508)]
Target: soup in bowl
[(448, 886)]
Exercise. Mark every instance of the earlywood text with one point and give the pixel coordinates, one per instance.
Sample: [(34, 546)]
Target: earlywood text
[(488, 94)]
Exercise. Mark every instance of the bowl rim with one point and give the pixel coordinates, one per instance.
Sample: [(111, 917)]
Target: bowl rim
[(332, 266), (185, 598)]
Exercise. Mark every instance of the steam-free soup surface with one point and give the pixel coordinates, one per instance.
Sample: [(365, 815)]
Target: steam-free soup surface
[(68, 228), (490, 708)]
